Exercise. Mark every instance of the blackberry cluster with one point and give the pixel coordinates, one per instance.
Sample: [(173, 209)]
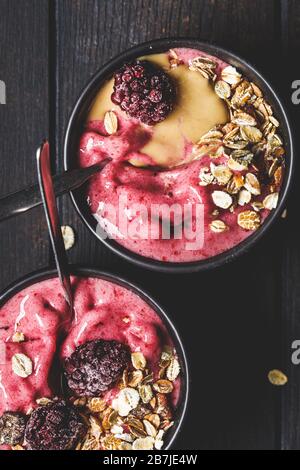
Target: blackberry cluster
[(12, 428), (56, 426), (95, 366), (144, 91)]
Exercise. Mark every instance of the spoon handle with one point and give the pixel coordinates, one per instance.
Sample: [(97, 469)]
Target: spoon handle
[(22, 201), (54, 227)]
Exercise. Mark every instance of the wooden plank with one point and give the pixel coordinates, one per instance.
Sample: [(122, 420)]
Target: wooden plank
[(229, 319), (290, 10), (24, 122), (290, 438)]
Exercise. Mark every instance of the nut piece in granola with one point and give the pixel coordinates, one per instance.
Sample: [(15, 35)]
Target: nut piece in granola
[(249, 220)]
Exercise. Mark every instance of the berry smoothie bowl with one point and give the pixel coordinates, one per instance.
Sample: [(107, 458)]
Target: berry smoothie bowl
[(201, 155), (113, 376)]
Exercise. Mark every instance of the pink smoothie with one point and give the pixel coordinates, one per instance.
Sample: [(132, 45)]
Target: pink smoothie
[(103, 311), (120, 181)]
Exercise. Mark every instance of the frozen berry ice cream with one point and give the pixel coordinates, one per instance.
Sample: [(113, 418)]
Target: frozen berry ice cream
[(116, 356), (218, 144)]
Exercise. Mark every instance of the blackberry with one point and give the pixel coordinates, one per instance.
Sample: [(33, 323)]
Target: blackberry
[(95, 366), (12, 428), (144, 91), (56, 426)]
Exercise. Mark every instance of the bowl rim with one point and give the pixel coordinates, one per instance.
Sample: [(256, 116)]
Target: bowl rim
[(224, 257), (78, 270)]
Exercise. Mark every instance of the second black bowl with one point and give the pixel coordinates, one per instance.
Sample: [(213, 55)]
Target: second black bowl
[(45, 274)]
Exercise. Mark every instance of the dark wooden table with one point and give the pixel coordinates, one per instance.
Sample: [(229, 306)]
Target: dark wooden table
[(237, 323)]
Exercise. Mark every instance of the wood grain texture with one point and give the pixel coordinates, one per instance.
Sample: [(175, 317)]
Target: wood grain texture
[(290, 411), (236, 323), (23, 124), (229, 320), (291, 26)]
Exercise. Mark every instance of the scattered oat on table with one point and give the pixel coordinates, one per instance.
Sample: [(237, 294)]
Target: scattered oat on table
[(284, 214), (278, 378), (68, 236)]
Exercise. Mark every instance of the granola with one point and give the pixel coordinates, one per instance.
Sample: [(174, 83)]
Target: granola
[(140, 414), (252, 152)]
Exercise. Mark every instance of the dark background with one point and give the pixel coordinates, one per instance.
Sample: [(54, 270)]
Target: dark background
[(238, 322)]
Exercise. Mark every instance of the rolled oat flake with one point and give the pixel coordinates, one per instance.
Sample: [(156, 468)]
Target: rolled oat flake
[(21, 365)]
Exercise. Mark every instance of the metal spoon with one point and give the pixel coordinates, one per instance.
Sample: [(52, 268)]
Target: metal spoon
[(54, 227), (26, 199)]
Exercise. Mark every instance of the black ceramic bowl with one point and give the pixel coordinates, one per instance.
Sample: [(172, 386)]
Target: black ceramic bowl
[(75, 127), (44, 274)]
